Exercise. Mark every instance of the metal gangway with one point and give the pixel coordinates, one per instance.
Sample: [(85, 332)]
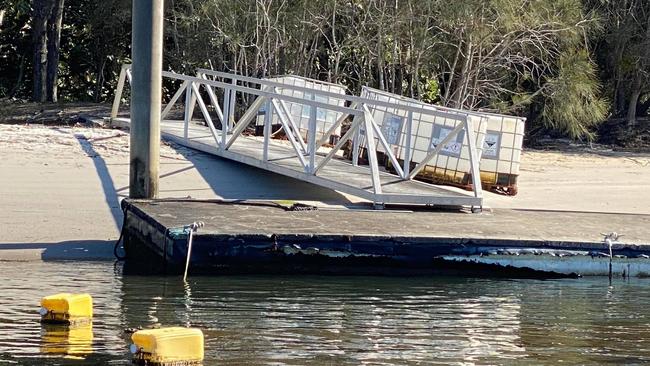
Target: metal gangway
[(304, 156)]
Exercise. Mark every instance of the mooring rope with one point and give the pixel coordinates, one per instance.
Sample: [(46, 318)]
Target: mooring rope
[(119, 240), (609, 240), (296, 206), (193, 227)]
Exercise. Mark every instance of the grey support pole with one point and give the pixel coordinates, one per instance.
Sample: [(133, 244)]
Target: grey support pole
[(146, 49)]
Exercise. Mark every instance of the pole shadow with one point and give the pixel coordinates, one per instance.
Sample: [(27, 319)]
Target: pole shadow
[(110, 192)]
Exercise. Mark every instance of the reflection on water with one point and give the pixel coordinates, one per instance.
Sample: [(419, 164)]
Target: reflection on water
[(67, 341), (331, 320)]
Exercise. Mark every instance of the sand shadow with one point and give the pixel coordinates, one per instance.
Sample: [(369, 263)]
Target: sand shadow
[(233, 180), (65, 250), (110, 192)]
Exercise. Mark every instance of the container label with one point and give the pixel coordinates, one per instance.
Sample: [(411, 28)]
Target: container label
[(392, 128), (491, 145), (453, 147)]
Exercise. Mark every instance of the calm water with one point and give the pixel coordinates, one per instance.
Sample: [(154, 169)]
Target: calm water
[(331, 320)]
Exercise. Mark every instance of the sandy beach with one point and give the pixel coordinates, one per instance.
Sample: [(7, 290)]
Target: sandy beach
[(61, 186)]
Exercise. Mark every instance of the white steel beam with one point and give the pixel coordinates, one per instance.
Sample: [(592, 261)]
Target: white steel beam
[(285, 110), (356, 146), (290, 136), (245, 120), (188, 111), (353, 129), (407, 148), (213, 100), (474, 159), (206, 114), (333, 128), (225, 122), (267, 130), (311, 137), (172, 101), (384, 143), (371, 148), (118, 91)]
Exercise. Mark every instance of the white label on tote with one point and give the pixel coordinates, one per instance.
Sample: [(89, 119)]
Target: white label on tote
[(491, 145), (453, 147)]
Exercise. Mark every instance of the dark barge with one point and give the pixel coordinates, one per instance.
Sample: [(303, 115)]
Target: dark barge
[(280, 238)]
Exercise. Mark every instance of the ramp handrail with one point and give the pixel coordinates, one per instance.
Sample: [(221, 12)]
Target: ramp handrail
[(306, 152)]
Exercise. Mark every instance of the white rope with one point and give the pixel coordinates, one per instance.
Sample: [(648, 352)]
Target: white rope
[(193, 227)]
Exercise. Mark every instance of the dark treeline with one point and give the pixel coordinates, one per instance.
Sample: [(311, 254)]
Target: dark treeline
[(567, 65)]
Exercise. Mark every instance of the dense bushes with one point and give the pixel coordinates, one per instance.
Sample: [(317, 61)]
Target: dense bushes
[(567, 65)]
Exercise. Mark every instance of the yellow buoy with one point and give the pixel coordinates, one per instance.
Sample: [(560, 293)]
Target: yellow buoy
[(168, 346), (67, 308)]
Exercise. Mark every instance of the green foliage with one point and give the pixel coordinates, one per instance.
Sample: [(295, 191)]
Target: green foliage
[(531, 58), (431, 93), (15, 49), (572, 101)]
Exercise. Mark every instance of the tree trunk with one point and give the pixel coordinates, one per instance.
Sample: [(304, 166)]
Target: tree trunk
[(619, 106), (42, 10), (416, 73), (53, 43), (99, 79), (409, 78), (619, 91), (634, 99), (282, 62), (380, 65), (19, 79), (459, 93), (399, 76), (452, 75)]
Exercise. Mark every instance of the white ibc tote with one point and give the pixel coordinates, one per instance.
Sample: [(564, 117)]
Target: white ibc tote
[(301, 112), (502, 153), (499, 138), (452, 165)]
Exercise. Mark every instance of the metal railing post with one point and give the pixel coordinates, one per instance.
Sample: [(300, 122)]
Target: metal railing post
[(407, 150), (355, 147), (225, 122), (268, 111), (384, 143), (188, 110), (474, 160), (231, 107), (118, 91), (372, 152), (311, 137)]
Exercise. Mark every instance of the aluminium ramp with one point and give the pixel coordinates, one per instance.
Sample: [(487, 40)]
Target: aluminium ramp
[(300, 156), (337, 174)]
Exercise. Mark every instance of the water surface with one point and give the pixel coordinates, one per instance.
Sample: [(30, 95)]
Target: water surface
[(331, 320)]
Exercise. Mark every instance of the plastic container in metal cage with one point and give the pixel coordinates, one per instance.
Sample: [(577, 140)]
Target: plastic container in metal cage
[(301, 112), (499, 139)]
